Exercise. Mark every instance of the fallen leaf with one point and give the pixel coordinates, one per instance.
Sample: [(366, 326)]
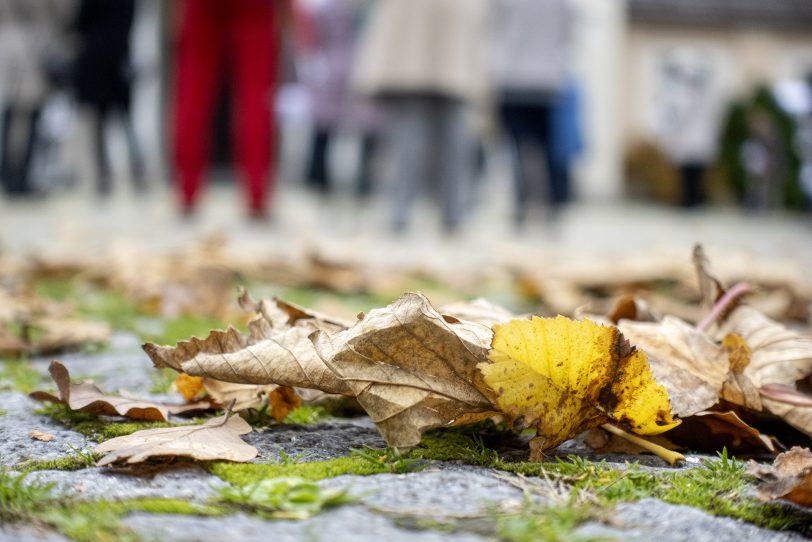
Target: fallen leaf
[(58, 334), (690, 366), (243, 396), (778, 357), (218, 438), (189, 386), (11, 345), (277, 350), (39, 435), (282, 401), (710, 431), (479, 310), (563, 377), (410, 369), (789, 478), (87, 397)]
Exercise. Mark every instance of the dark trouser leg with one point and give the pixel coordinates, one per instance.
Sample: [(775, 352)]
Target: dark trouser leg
[(134, 150), (7, 173), (318, 174), (692, 175), (456, 159), (369, 142), (103, 175), (32, 138), (514, 121)]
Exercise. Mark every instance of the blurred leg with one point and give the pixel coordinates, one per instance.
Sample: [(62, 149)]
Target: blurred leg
[(318, 175), (408, 136), (557, 170), (103, 173), (456, 164), (134, 150), (7, 173), (256, 48), (515, 123), (369, 143), (198, 68)]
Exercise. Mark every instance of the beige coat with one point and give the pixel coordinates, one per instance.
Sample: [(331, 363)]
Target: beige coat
[(27, 29), (424, 46)]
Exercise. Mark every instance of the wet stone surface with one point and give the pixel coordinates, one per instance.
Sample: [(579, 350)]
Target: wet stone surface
[(315, 442), (186, 482), (345, 524), (19, 420)]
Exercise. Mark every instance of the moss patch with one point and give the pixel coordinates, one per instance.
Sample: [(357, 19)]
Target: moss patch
[(68, 463), (95, 427), (19, 375), (243, 474)]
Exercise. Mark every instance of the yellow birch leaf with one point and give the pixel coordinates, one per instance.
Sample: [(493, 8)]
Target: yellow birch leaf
[(189, 386), (563, 377)]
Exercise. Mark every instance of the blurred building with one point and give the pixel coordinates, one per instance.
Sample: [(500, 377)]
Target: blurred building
[(686, 61)]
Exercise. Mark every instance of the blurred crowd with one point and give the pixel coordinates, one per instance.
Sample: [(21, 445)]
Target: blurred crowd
[(428, 88)]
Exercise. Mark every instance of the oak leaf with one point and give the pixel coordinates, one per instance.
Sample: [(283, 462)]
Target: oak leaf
[(412, 370), (218, 438), (87, 397), (789, 478), (563, 377), (277, 350)]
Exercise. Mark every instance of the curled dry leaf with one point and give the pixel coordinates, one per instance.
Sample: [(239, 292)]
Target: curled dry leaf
[(690, 366), (87, 397), (59, 334), (39, 435), (244, 396), (710, 431), (778, 357), (277, 350), (411, 370), (563, 377), (218, 438), (479, 310), (789, 478)]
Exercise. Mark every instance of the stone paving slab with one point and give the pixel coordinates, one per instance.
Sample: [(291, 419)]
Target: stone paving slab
[(15, 444), (650, 519), (345, 524), (316, 442), (25, 533), (186, 482)]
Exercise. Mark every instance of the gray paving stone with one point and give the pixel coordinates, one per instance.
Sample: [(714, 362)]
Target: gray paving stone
[(345, 524), (651, 519), (445, 491), (186, 482), (15, 444), (316, 442), (27, 533)]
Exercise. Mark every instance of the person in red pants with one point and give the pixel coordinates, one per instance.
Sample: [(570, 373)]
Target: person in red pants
[(238, 39)]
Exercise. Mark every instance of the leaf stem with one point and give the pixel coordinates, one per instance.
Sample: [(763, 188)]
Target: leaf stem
[(724, 302), (663, 453)]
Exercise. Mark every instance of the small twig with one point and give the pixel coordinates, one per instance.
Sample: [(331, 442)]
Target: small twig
[(667, 455), (723, 304)]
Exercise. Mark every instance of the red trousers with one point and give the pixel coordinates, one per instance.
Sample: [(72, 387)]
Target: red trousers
[(238, 39)]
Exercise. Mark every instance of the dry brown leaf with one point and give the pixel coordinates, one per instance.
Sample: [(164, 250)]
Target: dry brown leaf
[(686, 361), (189, 386), (218, 438), (479, 310), (789, 478), (411, 370), (778, 356), (282, 401), (58, 334), (710, 431), (11, 345), (277, 350), (244, 396), (87, 397), (39, 435)]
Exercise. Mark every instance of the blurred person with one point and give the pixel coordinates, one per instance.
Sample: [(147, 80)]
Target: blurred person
[(689, 109), (328, 32), (28, 31), (237, 38), (423, 60), (103, 79), (537, 102)]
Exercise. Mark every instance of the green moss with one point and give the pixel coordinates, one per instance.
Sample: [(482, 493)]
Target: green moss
[(19, 375), (95, 427), (68, 463), (163, 380), (543, 524), (3, 412), (243, 474), (307, 415)]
